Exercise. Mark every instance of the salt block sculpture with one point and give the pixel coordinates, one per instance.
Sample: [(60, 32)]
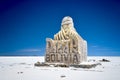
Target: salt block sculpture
[(67, 47)]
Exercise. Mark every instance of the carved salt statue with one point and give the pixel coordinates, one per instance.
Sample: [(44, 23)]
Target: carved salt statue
[(67, 47)]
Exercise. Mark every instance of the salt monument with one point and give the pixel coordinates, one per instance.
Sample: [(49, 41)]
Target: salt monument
[(67, 47)]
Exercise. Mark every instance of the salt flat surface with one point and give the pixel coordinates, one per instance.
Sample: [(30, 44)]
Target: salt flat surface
[(22, 68)]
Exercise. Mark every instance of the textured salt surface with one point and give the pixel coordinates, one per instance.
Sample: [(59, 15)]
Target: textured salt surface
[(22, 68)]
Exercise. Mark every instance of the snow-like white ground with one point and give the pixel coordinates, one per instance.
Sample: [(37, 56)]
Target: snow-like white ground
[(22, 68)]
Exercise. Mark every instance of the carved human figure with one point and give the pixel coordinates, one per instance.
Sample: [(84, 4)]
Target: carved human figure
[(68, 32)]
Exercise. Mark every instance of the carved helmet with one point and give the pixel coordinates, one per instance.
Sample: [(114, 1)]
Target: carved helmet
[(67, 20)]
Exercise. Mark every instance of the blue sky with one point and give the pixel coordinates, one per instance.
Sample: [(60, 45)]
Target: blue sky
[(25, 25)]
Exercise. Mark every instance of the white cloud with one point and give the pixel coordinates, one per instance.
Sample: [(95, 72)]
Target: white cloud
[(103, 49), (29, 50)]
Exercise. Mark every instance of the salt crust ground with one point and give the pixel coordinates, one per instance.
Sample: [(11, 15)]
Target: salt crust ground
[(22, 68)]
